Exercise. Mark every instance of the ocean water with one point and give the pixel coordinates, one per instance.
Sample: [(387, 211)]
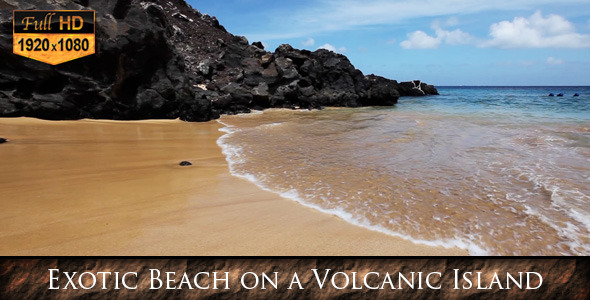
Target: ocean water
[(494, 170)]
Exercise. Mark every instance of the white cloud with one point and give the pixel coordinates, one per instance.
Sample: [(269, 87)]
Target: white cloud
[(536, 31), (452, 21), (554, 61), (455, 37), (309, 42), (334, 15), (332, 48), (327, 47), (421, 40)]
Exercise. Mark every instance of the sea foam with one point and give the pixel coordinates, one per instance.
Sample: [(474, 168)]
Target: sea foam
[(233, 155)]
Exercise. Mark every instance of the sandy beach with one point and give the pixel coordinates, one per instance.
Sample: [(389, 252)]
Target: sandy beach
[(115, 188)]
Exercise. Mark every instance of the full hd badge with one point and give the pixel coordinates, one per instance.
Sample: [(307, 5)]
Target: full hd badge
[(54, 36)]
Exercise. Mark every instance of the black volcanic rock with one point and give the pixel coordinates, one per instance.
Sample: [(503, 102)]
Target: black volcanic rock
[(185, 163), (164, 59), (258, 44), (380, 91), (3, 140), (136, 72), (416, 88), (428, 89)]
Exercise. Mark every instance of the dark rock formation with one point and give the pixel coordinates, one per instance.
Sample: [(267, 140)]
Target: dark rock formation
[(185, 163), (164, 59), (136, 72), (416, 88), (3, 140), (258, 44)]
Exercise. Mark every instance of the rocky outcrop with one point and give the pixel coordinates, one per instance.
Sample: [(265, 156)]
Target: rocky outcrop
[(416, 88), (136, 72), (164, 59)]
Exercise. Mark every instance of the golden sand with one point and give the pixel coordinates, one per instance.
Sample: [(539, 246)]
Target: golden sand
[(115, 188)]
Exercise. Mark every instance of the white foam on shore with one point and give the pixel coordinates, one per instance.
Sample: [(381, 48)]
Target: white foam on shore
[(233, 156), (568, 230), (271, 125)]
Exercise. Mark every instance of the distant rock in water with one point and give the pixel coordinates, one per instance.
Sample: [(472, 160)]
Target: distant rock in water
[(416, 88), (560, 95), (576, 95), (185, 163), (3, 140), (164, 60), (551, 95)]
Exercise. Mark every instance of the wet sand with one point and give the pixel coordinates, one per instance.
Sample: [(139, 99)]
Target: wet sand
[(115, 188)]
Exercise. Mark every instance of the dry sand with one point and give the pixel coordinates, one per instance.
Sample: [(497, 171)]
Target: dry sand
[(115, 188)]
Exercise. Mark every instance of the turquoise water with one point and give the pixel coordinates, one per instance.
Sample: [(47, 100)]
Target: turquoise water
[(493, 170), (506, 102)]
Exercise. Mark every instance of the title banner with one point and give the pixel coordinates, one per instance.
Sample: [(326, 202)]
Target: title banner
[(324, 278)]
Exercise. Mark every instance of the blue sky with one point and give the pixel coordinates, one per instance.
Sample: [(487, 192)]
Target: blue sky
[(443, 42)]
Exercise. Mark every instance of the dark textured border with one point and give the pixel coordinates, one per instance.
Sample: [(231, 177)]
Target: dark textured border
[(28, 278)]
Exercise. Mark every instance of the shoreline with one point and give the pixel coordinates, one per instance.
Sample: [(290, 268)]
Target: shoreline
[(99, 187)]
